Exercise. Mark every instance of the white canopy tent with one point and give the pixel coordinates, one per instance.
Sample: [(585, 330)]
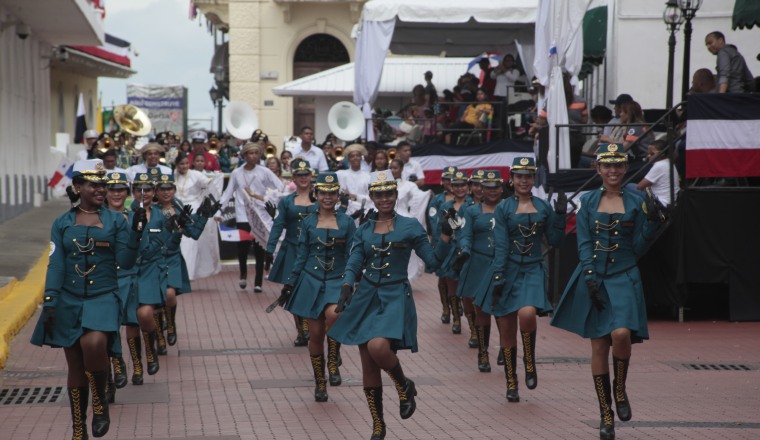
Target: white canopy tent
[(425, 27)]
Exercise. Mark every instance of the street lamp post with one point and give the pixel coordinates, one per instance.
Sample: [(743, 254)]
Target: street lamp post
[(689, 9), (673, 19), (216, 98)]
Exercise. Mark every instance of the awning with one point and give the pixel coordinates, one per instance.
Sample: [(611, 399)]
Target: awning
[(595, 35), (746, 14)]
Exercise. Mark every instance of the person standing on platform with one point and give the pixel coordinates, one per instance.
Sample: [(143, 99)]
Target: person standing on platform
[(516, 291), (289, 215), (604, 299), (80, 310), (733, 74), (380, 317), (314, 284), (432, 217), (249, 181)]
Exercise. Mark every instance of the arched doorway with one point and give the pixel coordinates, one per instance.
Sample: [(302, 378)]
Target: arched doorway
[(316, 53)]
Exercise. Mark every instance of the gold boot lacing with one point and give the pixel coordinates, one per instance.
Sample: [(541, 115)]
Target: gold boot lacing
[(528, 352), (131, 342), (148, 348), (605, 408), (332, 356), (377, 419), (319, 372), (116, 366), (619, 382), (511, 379), (483, 355), (79, 428), (97, 405)]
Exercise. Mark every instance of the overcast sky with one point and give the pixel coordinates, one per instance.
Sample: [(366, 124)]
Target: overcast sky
[(173, 50)]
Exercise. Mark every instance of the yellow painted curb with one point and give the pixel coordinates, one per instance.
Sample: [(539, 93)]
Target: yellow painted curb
[(19, 305), (8, 288)]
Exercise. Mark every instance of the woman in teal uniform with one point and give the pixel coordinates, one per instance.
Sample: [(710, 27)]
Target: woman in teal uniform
[(454, 209), (517, 290), (182, 223), (604, 299), (314, 283), (81, 305), (117, 191), (381, 317), (476, 254), (432, 216), (291, 210)]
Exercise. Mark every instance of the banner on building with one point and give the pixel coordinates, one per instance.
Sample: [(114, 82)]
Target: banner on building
[(166, 106)]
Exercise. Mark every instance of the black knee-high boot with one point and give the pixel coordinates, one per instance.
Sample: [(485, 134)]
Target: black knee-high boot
[(456, 327), (406, 391), (171, 326), (119, 371), (607, 423), (318, 364), (510, 371), (135, 351), (529, 359), (100, 418), (374, 397), (333, 355), (110, 388), (161, 349), (622, 404), (299, 341), (484, 335), (443, 293), (151, 357), (78, 397), (500, 358), (473, 341)]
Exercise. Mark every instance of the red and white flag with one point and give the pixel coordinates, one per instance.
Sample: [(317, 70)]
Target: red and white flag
[(63, 173), (232, 234)]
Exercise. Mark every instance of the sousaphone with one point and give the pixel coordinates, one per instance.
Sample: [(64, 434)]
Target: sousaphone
[(240, 119), (132, 120), (346, 121)]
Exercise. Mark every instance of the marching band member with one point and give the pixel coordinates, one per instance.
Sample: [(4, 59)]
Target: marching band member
[(354, 181), (314, 284), (604, 299), (380, 317), (517, 289), (432, 217), (250, 180), (151, 154), (81, 301), (202, 255), (289, 215)]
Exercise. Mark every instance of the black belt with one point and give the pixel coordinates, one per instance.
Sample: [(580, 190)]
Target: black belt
[(391, 283), (610, 275), (483, 253), (322, 278), (523, 263), (78, 295)]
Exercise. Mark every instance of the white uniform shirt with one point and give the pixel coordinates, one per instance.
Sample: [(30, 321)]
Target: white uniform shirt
[(258, 180), (142, 168), (355, 182), (504, 81), (660, 178), (413, 167), (315, 156)]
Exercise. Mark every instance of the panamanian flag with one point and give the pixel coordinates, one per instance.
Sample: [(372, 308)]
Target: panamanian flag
[(81, 125), (63, 173), (232, 234)]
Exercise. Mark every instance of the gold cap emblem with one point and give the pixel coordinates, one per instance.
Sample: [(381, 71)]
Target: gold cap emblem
[(524, 161), (143, 177), (612, 148), (491, 175), (329, 179), (164, 177), (381, 176), (481, 172), (99, 166), (116, 176), (154, 171), (460, 174)]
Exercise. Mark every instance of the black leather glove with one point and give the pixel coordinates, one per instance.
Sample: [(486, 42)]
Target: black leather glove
[(183, 217), (653, 208), (271, 209), (344, 198), (208, 207), (462, 257), (140, 219), (48, 319), (371, 215), (593, 294), (358, 214), (560, 205), (269, 259), (446, 228), (412, 178), (346, 291), (498, 289), (281, 300), (172, 223)]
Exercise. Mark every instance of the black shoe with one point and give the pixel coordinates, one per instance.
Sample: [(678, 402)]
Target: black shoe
[(500, 358), (119, 372), (110, 389), (135, 350), (300, 341), (473, 342), (529, 359), (151, 357), (408, 405), (333, 357), (171, 329), (320, 390), (243, 283), (622, 404), (258, 289), (456, 328), (484, 335), (100, 417), (607, 416), (445, 319), (159, 335), (171, 338), (510, 367), (78, 402)]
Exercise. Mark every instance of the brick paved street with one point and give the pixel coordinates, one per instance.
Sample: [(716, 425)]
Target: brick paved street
[(235, 374)]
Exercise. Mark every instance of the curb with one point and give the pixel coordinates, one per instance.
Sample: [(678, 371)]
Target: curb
[(20, 304)]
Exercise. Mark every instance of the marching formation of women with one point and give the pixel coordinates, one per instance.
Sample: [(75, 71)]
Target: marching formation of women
[(345, 246)]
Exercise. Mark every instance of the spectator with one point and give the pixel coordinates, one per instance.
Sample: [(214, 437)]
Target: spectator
[(506, 75), (412, 170), (185, 147), (381, 161), (577, 113), (601, 116), (631, 113), (275, 166), (733, 74), (475, 115), (703, 81), (658, 177), (429, 87), (487, 81), (617, 102), (311, 152), (285, 158)]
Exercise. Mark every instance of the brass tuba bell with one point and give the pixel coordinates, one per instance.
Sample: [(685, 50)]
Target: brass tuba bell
[(391, 153), (271, 151), (338, 153), (132, 120)]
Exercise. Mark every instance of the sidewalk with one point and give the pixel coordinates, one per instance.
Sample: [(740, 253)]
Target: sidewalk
[(234, 374)]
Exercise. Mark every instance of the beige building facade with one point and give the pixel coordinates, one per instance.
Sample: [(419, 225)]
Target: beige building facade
[(274, 42)]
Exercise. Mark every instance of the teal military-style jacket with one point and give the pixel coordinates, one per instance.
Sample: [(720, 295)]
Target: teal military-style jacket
[(289, 217), (476, 239), (320, 265), (608, 247), (383, 305), (177, 276), (81, 281), (151, 264), (446, 269)]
